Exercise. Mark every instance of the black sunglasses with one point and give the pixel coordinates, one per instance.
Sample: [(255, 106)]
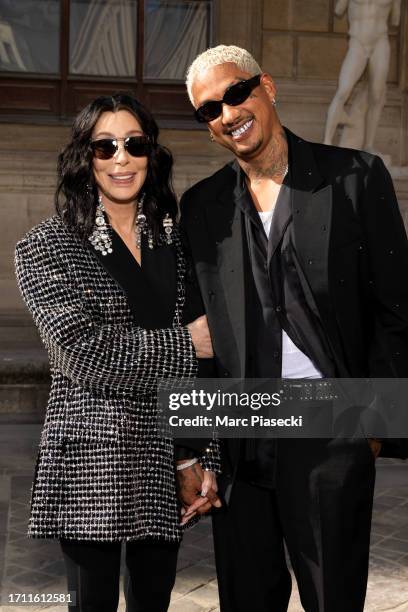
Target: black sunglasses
[(234, 95), (136, 146)]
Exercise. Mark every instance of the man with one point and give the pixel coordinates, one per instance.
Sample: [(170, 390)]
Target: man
[(301, 257), (369, 45)]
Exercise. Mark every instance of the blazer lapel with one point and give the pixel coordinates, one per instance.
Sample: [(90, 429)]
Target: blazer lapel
[(226, 228), (312, 215), (280, 220), (150, 312), (311, 209)]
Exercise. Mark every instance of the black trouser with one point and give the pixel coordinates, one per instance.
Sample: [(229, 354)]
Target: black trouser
[(321, 507), (93, 571)]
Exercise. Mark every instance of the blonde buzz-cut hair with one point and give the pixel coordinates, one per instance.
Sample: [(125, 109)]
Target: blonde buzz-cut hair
[(215, 56)]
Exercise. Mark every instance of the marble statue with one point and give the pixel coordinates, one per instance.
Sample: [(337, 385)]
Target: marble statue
[(10, 57), (369, 47)]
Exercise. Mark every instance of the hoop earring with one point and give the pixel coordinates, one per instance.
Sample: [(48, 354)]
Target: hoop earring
[(273, 102)]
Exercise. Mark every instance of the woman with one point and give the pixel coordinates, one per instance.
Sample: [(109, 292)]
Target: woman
[(104, 281)]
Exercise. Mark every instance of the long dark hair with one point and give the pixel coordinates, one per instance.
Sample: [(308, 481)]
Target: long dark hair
[(76, 195)]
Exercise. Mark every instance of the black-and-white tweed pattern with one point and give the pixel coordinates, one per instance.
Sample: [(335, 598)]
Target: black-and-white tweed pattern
[(102, 471)]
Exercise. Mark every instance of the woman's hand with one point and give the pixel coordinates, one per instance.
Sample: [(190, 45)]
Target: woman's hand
[(197, 491), (200, 335)]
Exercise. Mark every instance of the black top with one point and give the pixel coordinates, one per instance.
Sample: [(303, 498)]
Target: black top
[(151, 288)]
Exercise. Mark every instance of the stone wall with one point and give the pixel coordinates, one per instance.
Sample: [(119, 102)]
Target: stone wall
[(303, 39), (303, 45)]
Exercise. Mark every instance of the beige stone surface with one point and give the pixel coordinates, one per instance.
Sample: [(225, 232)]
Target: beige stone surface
[(293, 115), (311, 16), (11, 301), (35, 137), (191, 578), (296, 15), (40, 206), (394, 62), (320, 57), (277, 15), (18, 213), (238, 22), (340, 24), (206, 595), (14, 214), (277, 54)]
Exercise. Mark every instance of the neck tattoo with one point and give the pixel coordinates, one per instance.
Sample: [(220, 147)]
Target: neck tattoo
[(274, 164)]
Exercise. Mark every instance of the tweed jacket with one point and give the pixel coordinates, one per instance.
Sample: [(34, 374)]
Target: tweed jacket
[(102, 473)]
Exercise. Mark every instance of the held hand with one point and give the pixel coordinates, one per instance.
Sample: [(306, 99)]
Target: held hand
[(200, 335), (207, 498), (192, 482), (375, 446)]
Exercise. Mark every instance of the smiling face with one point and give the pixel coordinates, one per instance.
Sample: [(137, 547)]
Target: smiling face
[(120, 178), (245, 129)]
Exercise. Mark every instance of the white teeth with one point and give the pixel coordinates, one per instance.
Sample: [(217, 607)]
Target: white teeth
[(242, 129), (123, 178)]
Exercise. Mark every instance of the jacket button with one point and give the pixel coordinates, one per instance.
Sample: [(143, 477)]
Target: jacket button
[(278, 309), (225, 373)]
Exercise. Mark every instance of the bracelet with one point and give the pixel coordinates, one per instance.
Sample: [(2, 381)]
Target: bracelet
[(186, 464)]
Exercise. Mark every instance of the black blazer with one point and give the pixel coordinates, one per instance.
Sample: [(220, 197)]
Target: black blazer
[(351, 244)]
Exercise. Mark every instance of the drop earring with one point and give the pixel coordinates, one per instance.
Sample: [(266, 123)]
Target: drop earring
[(168, 228), (100, 237)]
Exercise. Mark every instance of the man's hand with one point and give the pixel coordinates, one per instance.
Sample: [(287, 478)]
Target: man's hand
[(375, 446), (200, 335), (197, 491)]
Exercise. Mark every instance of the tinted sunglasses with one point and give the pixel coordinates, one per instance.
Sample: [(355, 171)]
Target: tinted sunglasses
[(234, 95), (106, 148)]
